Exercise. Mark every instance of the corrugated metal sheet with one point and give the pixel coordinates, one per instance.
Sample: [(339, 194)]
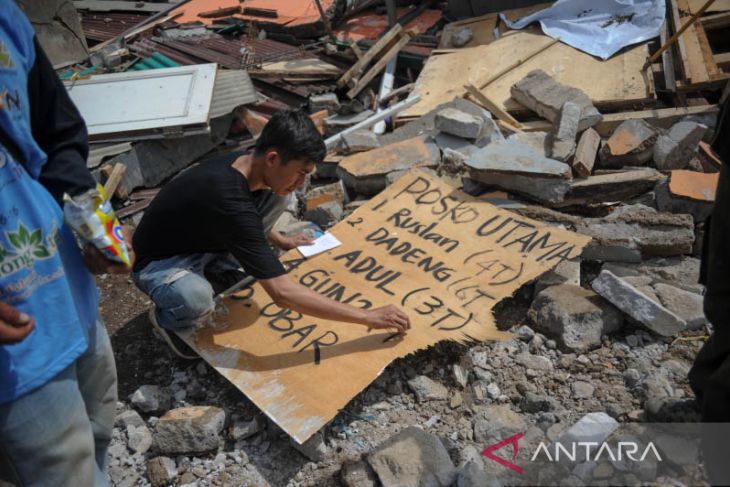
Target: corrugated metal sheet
[(102, 27), (232, 88)]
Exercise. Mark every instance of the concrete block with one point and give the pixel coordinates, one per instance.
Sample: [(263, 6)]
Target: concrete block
[(685, 304), (614, 186), (637, 305), (585, 153), (676, 149), (543, 95), (574, 316), (565, 132), (632, 143), (567, 272), (510, 157), (324, 205), (359, 141), (541, 189), (194, 429), (537, 141), (458, 123)]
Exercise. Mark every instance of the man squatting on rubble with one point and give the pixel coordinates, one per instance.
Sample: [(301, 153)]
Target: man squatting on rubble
[(216, 217), (58, 382)]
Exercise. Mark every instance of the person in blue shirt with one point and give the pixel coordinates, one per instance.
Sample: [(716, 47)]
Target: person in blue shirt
[(57, 373)]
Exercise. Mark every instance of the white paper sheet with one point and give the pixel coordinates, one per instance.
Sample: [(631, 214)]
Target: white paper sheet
[(321, 244)]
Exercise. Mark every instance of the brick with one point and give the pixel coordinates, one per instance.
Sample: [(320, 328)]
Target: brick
[(458, 123)]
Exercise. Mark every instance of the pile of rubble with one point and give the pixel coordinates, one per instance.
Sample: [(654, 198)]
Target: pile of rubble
[(607, 339)]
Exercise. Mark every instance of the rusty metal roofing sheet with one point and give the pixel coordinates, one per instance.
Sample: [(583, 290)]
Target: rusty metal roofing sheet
[(101, 27), (369, 25), (288, 12)]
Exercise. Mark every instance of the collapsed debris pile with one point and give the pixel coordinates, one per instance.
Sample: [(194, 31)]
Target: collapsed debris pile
[(609, 149)]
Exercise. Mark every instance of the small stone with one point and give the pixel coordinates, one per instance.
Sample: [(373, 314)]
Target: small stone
[(496, 423), (458, 123), (189, 430), (535, 362), (461, 376), (456, 400), (525, 333), (427, 389), (535, 403), (161, 471), (139, 438), (314, 448), (357, 474), (582, 390), (240, 429), (472, 474), (151, 399), (493, 391), (127, 418), (632, 377)]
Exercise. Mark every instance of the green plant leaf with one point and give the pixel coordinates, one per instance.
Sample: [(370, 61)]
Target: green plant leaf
[(41, 252), (14, 240), (23, 234), (36, 237)]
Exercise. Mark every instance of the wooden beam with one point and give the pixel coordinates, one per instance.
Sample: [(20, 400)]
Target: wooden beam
[(490, 105), (376, 49), (113, 179), (382, 62), (716, 21), (723, 60), (670, 82), (661, 117)]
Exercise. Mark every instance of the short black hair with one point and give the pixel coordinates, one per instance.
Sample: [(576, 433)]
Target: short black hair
[(293, 134)]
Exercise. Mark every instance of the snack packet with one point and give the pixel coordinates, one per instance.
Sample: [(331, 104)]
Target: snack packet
[(92, 216)]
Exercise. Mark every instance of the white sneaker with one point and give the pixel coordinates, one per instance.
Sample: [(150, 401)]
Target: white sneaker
[(165, 335)]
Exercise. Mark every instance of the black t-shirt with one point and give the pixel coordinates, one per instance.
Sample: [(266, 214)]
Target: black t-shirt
[(207, 209)]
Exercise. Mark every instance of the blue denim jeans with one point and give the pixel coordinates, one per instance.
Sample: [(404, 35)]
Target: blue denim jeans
[(58, 434), (177, 285)]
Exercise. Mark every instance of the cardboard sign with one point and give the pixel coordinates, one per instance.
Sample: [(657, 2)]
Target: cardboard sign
[(442, 256)]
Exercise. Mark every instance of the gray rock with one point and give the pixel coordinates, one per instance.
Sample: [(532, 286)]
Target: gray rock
[(536, 403), (359, 141), (566, 272), (161, 471), (472, 475), (563, 137), (413, 458), (637, 305), (241, 429), (461, 37), (613, 186), (510, 157), (151, 399), (314, 448), (187, 430), (537, 141), (535, 362), (685, 304), (576, 317), (525, 333), (461, 376), (427, 389), (547, 190), (632, 376), (545, 96), (357, 474), (676, 149), (324, 205), (458, 123), (581, 390), (129, 418), (496, 423), (139, 438), (325, 101), (593, 427)]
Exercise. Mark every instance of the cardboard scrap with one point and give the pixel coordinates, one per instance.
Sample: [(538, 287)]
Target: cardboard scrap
[(442, 256)]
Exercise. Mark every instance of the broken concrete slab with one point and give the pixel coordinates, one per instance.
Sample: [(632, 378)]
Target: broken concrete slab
[(585, 153), (632, 143), (567, 272), (639, 228), (613, 186), (324, 205), (676, 148), (637, 305), (359, 141), (694, 185), (562, 138), (687, 305), (365, 172), (337, 123), (543, 95), (511, 157), (667, 201), (413, 458), (546, 190), (576, 317), (537, 141), (458, 123)]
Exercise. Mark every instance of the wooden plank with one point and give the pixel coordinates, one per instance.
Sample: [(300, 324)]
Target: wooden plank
[(371, 54), (112, 182), (301, 370), (615, 83), (716, 21), (684, 67), (723, 60), (659, 117), (380, 65), (695, 70), (710, 64), (493, 108), (718, 6), (482, 27), (670, 82)]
